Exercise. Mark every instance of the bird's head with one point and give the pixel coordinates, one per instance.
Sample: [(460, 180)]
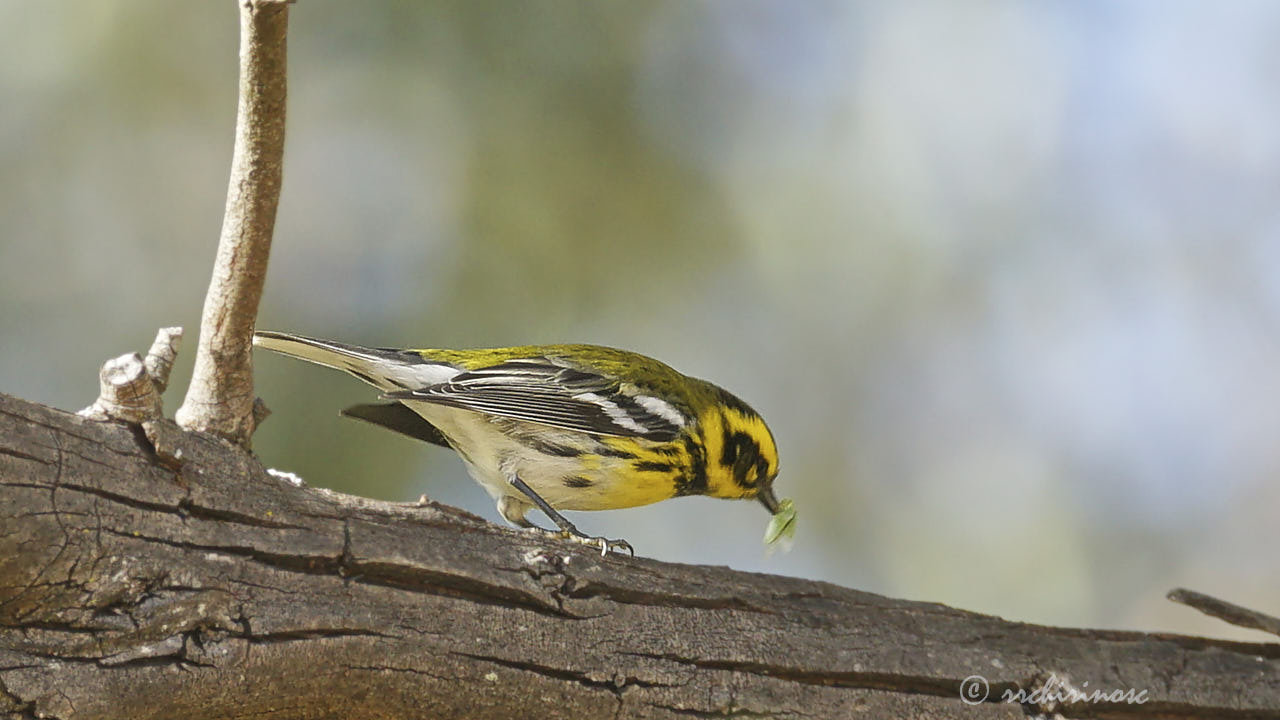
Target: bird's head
[(742, 457)]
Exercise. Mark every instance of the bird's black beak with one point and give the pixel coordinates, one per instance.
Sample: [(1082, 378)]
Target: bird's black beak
[(766, 498)]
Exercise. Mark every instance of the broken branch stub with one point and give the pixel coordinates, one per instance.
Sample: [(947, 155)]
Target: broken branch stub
[(130, 385)]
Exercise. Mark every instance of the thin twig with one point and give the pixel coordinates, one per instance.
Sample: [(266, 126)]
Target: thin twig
[(1225, 611), (220, 399)]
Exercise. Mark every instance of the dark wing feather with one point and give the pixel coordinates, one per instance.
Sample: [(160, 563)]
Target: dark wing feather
[(542, 390), (398, 418)]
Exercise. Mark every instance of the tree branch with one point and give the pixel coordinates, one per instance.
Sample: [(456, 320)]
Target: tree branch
[(1225, 611), (136, 588), (220, 399)]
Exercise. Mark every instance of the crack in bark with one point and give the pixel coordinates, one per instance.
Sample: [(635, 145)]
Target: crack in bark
[(950, 688), (318, 564), (617, 684), (57, 518), (231, 516), (17, 708), (629, 596), (435, 582), (727, 712), (915, 684), (285, 636), (125, 500), (23, 456), (409, 670), (401, 577)]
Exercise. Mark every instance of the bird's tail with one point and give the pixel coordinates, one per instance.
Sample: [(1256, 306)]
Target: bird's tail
[(384, 368)]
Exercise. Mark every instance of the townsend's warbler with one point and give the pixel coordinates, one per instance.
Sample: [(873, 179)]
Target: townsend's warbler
[(565, 427)]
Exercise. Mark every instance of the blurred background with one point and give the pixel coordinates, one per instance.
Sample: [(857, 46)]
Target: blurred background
[(1003, 277)]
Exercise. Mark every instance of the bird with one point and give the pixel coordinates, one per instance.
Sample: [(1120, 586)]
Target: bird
[(563, 427)]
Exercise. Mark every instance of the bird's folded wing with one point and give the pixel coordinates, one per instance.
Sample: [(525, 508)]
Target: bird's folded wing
[(398, 418), (545, 391)]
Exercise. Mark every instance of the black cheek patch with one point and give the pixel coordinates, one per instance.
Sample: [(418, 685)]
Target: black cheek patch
[(742, 454)]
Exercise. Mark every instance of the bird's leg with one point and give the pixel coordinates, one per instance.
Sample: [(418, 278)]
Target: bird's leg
[(513, 510), (567, 529)]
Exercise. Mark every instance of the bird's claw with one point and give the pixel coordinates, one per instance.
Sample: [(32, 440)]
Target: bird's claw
[(604, 544)]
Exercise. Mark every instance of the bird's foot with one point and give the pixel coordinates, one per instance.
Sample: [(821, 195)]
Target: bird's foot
[(603, 544)]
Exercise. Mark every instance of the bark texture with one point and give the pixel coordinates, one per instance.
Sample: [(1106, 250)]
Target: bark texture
[(220, 399), (194, 584)]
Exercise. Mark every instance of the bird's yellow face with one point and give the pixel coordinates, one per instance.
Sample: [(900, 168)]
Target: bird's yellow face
[(741, 456)]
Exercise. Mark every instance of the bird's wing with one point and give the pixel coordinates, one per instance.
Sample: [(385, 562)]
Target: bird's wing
[(546, 390), (397, 417)]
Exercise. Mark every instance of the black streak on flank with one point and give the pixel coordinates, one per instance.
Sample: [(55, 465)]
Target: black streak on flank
[(550, 448), (577, 482), (650, 466), (607, 451), (695, 482)]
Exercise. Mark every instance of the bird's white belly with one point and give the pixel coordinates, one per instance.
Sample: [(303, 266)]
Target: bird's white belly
[(493, 457)]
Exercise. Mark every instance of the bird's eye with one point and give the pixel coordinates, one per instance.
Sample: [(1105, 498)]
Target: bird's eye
[(743, 465)]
